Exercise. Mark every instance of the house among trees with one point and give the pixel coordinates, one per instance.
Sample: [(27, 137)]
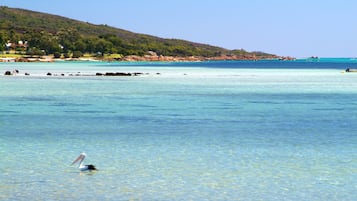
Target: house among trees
[(20, 46)]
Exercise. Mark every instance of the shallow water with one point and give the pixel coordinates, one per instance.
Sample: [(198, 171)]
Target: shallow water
[(192, 132)]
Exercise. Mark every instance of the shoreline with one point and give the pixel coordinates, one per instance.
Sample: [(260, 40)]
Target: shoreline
[(145, 58)]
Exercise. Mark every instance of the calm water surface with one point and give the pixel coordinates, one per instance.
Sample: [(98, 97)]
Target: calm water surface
[(196, 131)]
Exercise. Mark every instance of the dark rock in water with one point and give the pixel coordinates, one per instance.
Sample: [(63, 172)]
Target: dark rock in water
[(351, 70), (8, 73), (136, 74), (123, 74), (27, 73), (117, 74), (49, 74), (99, 74), (109, 74), (62, 74)]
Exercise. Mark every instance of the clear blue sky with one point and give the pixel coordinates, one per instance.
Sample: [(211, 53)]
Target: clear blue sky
[(299, 28)]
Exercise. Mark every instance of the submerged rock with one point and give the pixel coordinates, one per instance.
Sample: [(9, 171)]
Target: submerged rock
[(136, 74), (117, 74), (351, 70)]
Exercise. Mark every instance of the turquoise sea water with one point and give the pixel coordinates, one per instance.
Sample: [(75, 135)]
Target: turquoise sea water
[(181, 131)]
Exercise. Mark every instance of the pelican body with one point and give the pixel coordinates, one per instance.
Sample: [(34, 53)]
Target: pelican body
[(82, 167)]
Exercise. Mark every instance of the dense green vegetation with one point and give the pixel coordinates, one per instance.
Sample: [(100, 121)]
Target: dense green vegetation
[(50, 34)]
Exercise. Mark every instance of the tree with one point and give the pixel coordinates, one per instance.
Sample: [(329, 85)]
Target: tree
[(77, 54), (13, 36), (57, 55), (3, 40), (90, 44), (43, 41), (103, 46), (68, 38), (80, 45), (35, 51)]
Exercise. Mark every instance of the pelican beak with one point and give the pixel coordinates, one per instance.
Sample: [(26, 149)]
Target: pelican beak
[(77, 159)]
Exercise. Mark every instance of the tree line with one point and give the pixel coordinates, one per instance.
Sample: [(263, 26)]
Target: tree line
[(70, 41), (46, 34)]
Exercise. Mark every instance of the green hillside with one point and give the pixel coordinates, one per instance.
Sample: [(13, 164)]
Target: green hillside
[(52, 34)]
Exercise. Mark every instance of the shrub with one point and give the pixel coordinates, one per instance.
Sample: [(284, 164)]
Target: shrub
[(77, 54), (57, 55)]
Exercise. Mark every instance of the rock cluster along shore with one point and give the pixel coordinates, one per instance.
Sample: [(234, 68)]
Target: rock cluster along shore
[(123, 74), (117, 74)]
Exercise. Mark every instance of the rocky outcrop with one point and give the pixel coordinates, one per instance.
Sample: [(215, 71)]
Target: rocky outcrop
[(117, 74), (123, 74)]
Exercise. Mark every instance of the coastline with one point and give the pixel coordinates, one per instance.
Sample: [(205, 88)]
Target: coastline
[(147, 58)]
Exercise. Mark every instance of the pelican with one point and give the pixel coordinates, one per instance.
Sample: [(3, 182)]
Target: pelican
[(82, 167)]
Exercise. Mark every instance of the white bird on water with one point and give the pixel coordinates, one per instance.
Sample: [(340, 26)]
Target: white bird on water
[(82, 167)]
